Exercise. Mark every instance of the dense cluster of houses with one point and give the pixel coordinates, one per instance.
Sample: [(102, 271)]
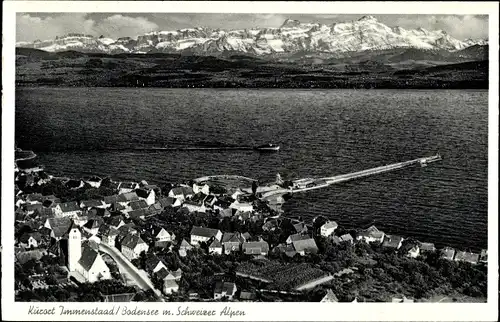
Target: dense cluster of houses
[(73, 231)]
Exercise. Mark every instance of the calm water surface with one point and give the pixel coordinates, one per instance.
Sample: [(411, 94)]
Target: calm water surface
[(321, 132)]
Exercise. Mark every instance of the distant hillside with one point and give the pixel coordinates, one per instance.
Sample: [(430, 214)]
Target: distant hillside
[(377, 69)]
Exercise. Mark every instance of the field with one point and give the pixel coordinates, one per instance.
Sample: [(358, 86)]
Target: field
[(280, 275)]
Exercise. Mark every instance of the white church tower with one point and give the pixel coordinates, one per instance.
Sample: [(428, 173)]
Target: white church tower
[(74, 247)]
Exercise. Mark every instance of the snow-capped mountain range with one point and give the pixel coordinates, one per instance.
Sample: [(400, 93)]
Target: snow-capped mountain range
[(293, 36)]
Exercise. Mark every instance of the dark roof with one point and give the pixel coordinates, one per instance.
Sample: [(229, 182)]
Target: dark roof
[(224, 287), (98, 212), (88, 258), (152, 261), (33, 207), (204, 232), (131, 241), (115, 220), (60, 226), (69, 206), (166, 202), (209, 198), (107, 230), (128, 196), (72, 183), (35, 197), (93, 223), (177, 191), (162, 273), (155, 207), (140, 204), (26, 236), (111, 199), (199, 198), (137, 213), (215, 243), (306, 245), (143, 193), (91, 203), (232, 237)]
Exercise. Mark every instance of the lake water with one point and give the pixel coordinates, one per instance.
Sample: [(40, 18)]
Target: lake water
[(321, 133)]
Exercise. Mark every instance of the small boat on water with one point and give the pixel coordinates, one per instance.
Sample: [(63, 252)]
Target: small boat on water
[(267, 147)]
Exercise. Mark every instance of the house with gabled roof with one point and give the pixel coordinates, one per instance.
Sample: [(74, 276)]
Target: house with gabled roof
[(29, 240), (347, 238), (132, 246), (170, 286), (125, 198), (59, 227), (67, 209), (107, 234), (224, 289), (181, 192), (184, 247), (155, 209), (295, 237), (232, 242), (328, 228), (170, 202), (125, 187), (255, 248), (468, 257), (116, 222), (201, 188), (147, 195), (414, 252), (210, 200), (203, 234), (305, 246), (392, 241), (162, 236), (92, 267), (329, 297), (287, 249), (371, 235), (448, 253), (92, 225), (154, 264), (427, 247), (93, 181), (215, 247)]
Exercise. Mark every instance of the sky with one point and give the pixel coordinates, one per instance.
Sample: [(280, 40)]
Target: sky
[(33, 26)]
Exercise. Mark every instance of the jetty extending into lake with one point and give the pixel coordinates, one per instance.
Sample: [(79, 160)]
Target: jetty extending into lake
[(302, 185)]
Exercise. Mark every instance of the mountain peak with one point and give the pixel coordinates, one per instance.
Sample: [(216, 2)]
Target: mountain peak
[(290, 23), (368, 18)]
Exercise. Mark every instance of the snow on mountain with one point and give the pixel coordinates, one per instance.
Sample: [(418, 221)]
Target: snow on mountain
[(366, 33)]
